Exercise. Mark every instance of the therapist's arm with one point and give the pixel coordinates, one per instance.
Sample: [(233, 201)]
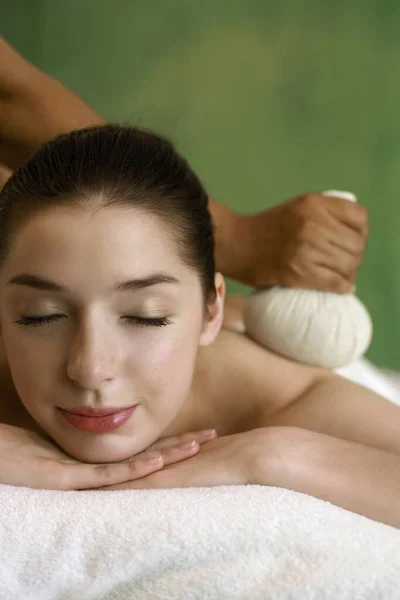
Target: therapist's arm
[(34, 108), (310, 241)]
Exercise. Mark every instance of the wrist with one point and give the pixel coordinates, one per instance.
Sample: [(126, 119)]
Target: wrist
[(234, 251), (250, 250), (243, 249), (274, 455), (226, 229), (289, 444)]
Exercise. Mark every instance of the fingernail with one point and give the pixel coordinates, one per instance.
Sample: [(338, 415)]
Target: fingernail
[(207, 432), (188, 445), (153, 461)]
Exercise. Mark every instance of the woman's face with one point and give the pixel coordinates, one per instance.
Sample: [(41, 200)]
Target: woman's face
[(76, 333)]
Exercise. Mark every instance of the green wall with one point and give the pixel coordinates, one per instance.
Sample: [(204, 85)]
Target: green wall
[(267, 99)]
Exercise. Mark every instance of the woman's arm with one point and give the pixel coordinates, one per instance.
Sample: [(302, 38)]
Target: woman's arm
[(336, 407), (355, 477), (286, 393), (360, 479)]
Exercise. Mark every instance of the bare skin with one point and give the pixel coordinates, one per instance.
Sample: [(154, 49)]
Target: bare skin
[(279, 423), (276, 391), (238, 386), (12, 412)]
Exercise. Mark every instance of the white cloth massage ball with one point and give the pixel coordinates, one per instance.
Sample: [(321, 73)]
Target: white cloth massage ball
[(309, 326)]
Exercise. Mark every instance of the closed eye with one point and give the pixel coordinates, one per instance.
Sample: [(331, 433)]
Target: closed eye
[(38, 321), (149, 321), (35, 321)]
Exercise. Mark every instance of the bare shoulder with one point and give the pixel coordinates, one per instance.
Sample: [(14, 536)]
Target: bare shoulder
[(243, 375)]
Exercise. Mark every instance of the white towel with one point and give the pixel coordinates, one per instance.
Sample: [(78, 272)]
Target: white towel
[(230, 542)]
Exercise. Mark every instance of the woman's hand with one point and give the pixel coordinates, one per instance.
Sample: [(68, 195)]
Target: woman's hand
[(31, 460), (252, 457), (311, 241)]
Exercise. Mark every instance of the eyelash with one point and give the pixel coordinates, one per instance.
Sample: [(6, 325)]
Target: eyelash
[(141, 321)]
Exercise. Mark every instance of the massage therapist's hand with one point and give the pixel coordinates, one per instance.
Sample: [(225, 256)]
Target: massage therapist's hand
[(31, 460), (311, 241), (252, 457)]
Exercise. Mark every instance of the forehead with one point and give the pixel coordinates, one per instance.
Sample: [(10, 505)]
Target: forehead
[(69, 241)]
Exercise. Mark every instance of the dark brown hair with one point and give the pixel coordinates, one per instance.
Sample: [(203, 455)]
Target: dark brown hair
[(116, 165)]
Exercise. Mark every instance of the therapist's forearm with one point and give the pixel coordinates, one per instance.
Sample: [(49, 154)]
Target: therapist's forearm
[(231, 253), (358, 478), (35, 108)]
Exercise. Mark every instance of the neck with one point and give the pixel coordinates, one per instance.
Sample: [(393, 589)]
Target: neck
[(206, 405)]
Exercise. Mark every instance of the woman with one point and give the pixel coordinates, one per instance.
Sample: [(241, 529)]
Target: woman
[(109, 300)]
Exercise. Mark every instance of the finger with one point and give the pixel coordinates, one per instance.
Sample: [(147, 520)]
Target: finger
[(352, 214), (184, 476), (174, 440), (175, 448), (174, 454), (325, 233), (87, 476), (326, 255), (320, 279), (197, 472), (179, 476), (170, 454), (345, 238), (332, 281), (338, 261), (145, 483)]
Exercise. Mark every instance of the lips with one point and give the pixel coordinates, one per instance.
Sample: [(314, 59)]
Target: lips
[(97, 424), (88, 411)]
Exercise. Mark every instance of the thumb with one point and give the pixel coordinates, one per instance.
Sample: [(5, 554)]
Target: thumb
[(331, 281)]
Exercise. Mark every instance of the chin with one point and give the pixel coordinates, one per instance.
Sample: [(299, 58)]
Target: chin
[(98, 453), (104, 448), (116, 446)]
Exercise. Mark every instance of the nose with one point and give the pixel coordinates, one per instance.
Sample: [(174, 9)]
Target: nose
[(93, 358)]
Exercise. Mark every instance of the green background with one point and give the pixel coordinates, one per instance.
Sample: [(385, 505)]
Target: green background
[(267, 99)]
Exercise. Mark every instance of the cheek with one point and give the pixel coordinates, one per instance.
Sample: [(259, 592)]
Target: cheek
[(159, 367), (33, 365), (167, 365)]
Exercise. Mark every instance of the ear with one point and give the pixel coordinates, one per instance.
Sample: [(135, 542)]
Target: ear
[(214, 318)]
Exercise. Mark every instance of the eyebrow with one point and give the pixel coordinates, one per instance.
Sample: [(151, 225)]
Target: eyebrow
[(38, 283)]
